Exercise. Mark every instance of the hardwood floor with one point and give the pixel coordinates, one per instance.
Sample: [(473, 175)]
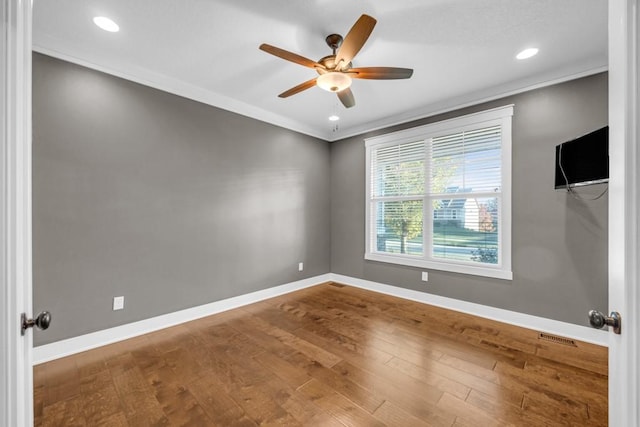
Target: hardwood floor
[(330, 355)]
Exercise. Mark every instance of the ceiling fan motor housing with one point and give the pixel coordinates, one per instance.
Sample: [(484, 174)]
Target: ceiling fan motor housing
[(329, 62)]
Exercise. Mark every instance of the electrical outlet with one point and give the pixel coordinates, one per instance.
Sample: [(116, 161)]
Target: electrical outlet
[(425, 276), (118, 303), (300, 266)]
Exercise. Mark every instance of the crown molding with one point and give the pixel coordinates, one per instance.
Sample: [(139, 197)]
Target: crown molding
[(189, 91), (177, 87)]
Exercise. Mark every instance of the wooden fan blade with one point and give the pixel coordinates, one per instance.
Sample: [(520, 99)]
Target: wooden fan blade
[(297, 89), (380, 73), (354, 40), (290, 56), (346, 97)]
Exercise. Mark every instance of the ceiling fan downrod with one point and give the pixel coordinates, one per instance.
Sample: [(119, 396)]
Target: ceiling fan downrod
[(334, 41)]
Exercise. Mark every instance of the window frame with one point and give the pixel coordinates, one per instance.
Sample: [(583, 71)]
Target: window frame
[(497, 116)]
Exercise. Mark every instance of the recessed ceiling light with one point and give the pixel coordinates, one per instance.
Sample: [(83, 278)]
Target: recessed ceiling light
[(334, 118), (106, 24), (527, 53)]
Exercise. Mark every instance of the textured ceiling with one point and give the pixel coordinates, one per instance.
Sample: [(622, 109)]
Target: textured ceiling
[(462, 51)]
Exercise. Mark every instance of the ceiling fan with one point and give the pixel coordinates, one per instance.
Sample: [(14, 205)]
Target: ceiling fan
[(335, 71)]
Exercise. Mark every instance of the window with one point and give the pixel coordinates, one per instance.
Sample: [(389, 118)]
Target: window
[(439, 195)]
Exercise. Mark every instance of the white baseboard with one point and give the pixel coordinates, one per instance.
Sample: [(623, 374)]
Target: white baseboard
[(58, 349), (555, 327)]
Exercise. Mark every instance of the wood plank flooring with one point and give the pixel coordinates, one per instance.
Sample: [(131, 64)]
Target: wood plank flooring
[(330, 355)]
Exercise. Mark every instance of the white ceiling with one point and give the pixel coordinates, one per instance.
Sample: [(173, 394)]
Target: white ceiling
[(462, 51)]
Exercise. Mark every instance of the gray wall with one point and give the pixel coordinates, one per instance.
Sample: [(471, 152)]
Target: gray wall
[(559, 254), (164, 200), (175, 204)]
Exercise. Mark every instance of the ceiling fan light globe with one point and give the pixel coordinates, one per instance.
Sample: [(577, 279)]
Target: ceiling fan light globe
[(334, 81)]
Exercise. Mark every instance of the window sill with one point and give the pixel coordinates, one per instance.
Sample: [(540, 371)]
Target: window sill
[(450, 267)]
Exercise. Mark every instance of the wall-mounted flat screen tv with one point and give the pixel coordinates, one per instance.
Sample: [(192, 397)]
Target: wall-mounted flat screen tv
[(584, 160)]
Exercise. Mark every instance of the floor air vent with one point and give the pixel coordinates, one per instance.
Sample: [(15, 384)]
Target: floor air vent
[(337, 285), (556, 339)]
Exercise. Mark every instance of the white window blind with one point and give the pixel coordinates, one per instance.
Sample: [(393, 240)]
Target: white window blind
[(398, 189), (436, 195), (466, 181)]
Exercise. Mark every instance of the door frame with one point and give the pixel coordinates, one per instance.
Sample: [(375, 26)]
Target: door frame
[(16, 378), (16, 382), (624, 240)]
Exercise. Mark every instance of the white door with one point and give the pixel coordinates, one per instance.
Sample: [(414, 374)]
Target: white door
[(16, 387), (624, 184), (16, 394)]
